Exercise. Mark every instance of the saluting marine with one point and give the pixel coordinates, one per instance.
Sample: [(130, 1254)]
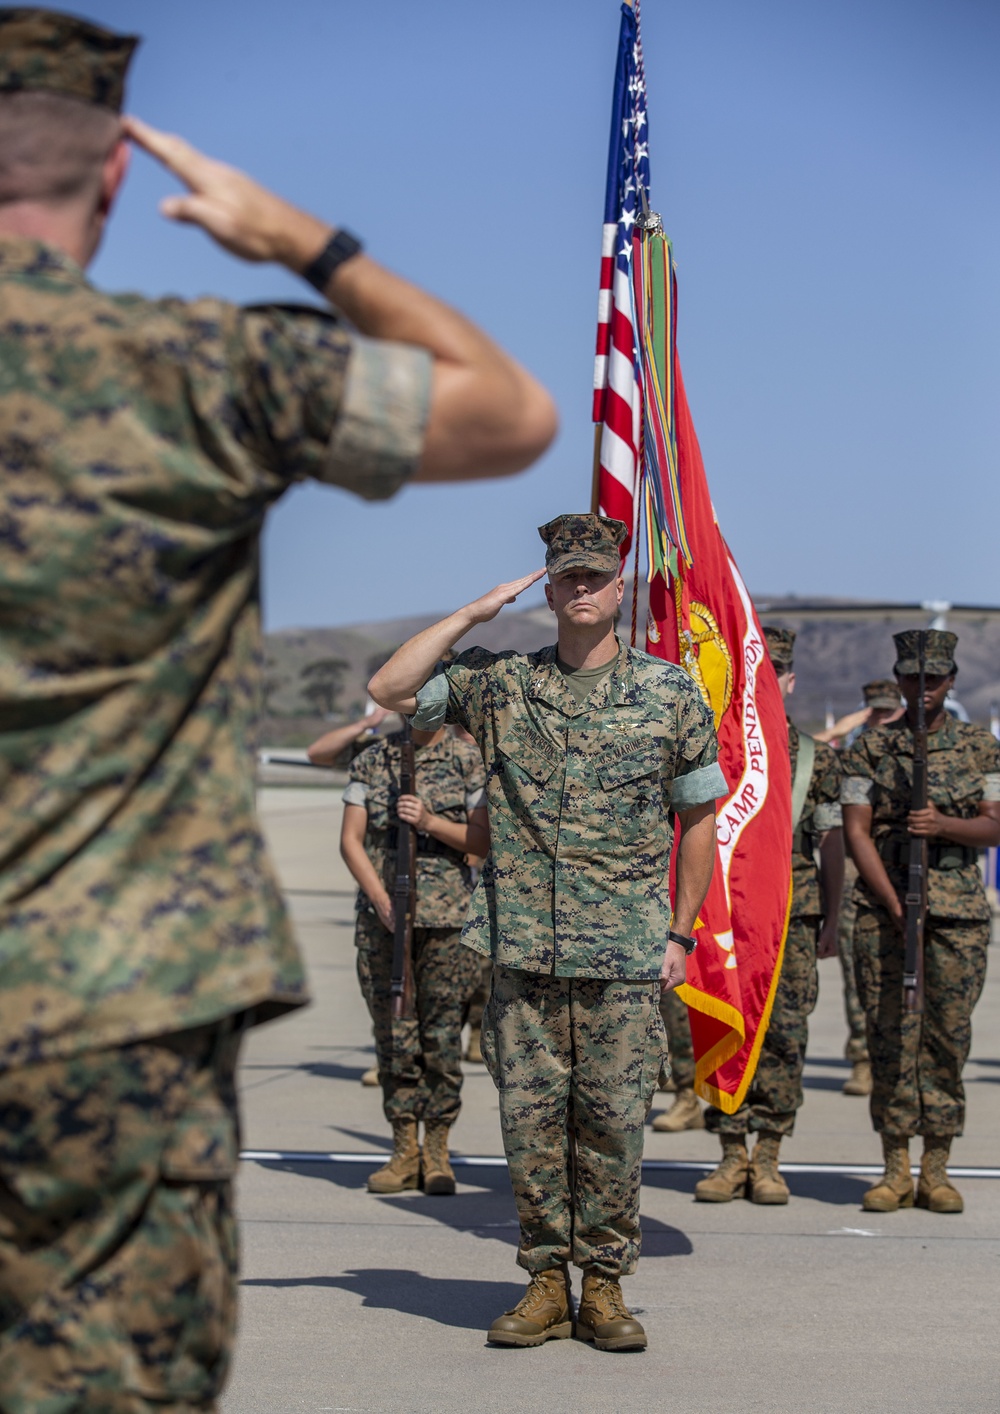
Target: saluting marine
[(591, 748), (776, 1090), (917, 1057), (419, 1058)]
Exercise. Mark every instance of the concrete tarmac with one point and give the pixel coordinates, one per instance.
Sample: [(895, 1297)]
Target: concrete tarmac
[(351, 1302)]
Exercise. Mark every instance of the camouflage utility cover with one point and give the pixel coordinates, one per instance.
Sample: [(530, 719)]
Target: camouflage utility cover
[(821, 812), (780, 646), (583, 542), (141, 444), (580, 799), (883, 692), (45, 50), (939, 651), (963, 769), (449, 780)]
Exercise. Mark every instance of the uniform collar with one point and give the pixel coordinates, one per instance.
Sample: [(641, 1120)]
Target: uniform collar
[(22, 255), (944, 739), (548, 683)]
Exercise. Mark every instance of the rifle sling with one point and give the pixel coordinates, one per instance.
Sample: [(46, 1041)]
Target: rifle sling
[(803, 775)]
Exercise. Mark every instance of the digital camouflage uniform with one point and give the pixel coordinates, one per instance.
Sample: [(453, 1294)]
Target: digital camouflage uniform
[(680, 1046), (419, 1060), (141, 926), (573, 907), (776, 1090), (917, 1058)]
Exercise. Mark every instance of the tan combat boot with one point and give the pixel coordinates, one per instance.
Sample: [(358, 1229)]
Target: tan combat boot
[(935, 1189), (766, 1182), (403, 1169), (895, 1188), (438, 1175), (474, 1052), (544, 1312), (684, 1113), (603, 1316), (729, 1180), (370, 1076), (860, 1082)]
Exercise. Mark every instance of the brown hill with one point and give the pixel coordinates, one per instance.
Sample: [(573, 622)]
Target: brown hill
[(841, 644)]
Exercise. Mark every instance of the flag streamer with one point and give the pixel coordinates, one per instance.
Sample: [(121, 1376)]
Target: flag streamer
[(700, 614)]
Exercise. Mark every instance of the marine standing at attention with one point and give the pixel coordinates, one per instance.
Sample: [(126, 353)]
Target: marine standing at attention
[(882, 704), (776, 1090), (419, 1059), (141, 926), (917, 1057), (592, 751)]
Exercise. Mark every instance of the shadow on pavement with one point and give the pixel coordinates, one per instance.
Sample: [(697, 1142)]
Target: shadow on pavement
[(469, 1305), (835, 1188), (483, 1205)]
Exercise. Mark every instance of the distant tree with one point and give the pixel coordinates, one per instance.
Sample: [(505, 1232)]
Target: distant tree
[(324, 682)]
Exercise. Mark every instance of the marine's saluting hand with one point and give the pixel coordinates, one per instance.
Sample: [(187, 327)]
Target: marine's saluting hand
[(238, 212), (489, 605)]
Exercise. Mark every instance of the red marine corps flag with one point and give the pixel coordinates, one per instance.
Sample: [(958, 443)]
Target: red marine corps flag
[(700, 614)]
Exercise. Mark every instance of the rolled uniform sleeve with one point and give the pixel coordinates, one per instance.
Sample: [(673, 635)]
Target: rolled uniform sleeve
[(856, 790), (698, 777), (991, 786), (432, 704), (458, 694), (321, 402), (355, 793)]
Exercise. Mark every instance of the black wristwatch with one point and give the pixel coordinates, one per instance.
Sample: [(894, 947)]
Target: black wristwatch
[(688, 944), (340, 247)]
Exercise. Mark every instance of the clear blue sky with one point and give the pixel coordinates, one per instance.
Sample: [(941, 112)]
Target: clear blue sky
[(828, 173)]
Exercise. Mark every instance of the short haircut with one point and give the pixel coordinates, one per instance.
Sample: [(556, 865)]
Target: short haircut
[(52, 148)]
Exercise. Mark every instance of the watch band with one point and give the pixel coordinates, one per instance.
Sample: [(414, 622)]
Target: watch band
[(340, 247), (688, 944)]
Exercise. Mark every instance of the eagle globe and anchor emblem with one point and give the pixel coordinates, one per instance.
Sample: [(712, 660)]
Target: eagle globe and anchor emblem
[(705, 655)]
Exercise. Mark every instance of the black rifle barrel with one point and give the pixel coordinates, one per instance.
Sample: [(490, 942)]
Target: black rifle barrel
[(404, 889), (916, 880)]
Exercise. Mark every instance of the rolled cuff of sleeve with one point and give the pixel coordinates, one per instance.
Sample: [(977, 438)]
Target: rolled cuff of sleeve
[(355, 793), (432, 704), (827, 817), (379, 435), (474, 800), (698, 787), (856, 790), (991, 787)]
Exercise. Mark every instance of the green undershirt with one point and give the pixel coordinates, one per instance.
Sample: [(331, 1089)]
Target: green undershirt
[(582, 681)]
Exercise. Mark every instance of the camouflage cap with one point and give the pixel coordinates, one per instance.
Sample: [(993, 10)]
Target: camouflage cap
[(58, 53), (780, 645), (883, 692), (583, 542), (939, 651)]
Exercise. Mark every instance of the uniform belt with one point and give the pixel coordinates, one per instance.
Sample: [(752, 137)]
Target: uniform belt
[(803, 842), (426, 844), (940, 854)]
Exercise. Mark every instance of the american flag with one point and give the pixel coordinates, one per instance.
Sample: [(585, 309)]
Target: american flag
[(617, 397)]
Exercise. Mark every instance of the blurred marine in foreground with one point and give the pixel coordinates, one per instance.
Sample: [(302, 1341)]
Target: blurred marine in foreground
[(141, 927)]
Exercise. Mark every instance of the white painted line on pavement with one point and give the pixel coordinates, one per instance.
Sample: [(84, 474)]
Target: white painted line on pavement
[(493, 1161)]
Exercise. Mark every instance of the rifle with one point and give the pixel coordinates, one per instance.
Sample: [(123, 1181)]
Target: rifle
[(404, 894), (916, 881)]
